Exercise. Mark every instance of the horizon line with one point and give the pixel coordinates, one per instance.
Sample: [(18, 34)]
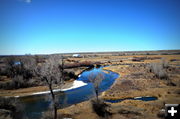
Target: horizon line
[(89, 52)]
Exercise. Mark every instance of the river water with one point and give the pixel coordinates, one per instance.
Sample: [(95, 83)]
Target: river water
[(34, 105)]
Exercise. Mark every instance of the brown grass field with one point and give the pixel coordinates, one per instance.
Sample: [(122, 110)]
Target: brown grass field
[(135, 80)]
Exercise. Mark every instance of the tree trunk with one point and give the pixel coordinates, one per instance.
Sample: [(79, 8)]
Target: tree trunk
[(53, 99), (54, 103), (55, 111), (96, 94)]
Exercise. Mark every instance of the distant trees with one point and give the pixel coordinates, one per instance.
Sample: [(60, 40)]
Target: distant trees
[(24, 66), (29, 64), (52, 72), (21, 70), (10, 68)]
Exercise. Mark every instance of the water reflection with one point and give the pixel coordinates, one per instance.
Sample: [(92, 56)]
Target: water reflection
[(36, 104)]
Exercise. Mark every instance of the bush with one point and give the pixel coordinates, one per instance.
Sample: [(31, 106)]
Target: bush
[(19, 82), (12, 105), (100, 108), (164, 63), (159, 69), (69, 75), (81, 64), (139, 59)]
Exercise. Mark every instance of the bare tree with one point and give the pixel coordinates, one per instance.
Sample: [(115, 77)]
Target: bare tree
[(98, 105), (159, 69), (52, 74), (29, 62), (20, 70), (10, 67), (61, 67), (96, 79)]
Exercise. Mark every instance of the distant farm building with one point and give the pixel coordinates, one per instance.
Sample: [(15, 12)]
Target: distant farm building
[(17, 63), (76, 55)]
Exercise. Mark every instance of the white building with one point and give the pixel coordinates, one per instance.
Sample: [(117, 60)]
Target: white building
[(76, 55)]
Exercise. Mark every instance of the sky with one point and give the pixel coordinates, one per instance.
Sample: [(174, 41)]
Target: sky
[(64, 26)]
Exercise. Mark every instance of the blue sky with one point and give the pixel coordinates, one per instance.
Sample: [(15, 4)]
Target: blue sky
[(60, 26)]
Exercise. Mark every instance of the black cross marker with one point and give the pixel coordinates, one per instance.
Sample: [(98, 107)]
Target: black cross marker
[(172, 111)]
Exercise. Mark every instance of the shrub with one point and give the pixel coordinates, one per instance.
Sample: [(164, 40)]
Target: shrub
[(19, 82), (79, 64), (164, 63), (100, 108), (69, 75), (139, 59), (15, 108), (159, 69)]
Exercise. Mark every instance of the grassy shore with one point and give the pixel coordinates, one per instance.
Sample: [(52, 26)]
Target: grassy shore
[(135, 81)]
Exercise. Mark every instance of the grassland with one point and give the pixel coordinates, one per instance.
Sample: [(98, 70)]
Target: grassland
[(136, 79)]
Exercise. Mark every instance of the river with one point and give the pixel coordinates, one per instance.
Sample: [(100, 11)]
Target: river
[(34, 105)]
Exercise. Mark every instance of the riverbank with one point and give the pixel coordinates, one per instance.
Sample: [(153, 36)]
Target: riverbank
[(40, 89), (135, 81)]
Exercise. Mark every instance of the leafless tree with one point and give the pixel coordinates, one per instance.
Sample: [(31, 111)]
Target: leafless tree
[(51, 72), (20, 65), (61, 67), (21, 70), (159, 69), (98, 105), (29, 62), (10, 67), (96, 79)]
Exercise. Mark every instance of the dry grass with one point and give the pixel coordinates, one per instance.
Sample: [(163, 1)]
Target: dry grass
[(135, 81), (123, 69)]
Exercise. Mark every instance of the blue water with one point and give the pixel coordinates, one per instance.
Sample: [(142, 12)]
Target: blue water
[(34, 105), (139, 98)]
